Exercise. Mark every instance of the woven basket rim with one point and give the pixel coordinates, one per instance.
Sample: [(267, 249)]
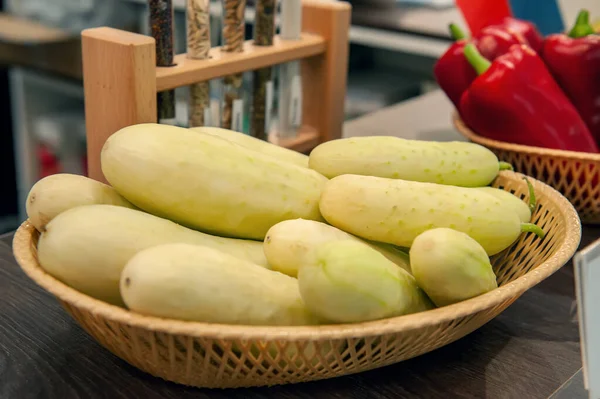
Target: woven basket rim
[(471, 135), (22, 244)]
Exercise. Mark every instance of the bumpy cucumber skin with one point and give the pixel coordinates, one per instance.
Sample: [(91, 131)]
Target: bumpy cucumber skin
[(56, 193), (450, 266), (510, 201), (252, 143), (289, 245), (88, 246), (349, 282), (197, 283), (207, 183), (452, 163), (397, 211)]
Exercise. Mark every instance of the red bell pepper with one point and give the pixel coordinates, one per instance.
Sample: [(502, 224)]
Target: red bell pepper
[(452, 71), (496, 40), (515, 99), (574, 61), (527, 30)]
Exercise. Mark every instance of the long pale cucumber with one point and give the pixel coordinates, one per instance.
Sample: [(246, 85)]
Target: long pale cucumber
[(197, 283), (397, 211), (208, 183), (452, 163)]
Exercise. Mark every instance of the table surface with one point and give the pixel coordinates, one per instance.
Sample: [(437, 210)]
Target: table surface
[(426, 117), (406, 18), (530, 350)]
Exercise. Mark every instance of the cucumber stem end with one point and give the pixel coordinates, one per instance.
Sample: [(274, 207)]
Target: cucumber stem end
[(532, 199), (532, 228)]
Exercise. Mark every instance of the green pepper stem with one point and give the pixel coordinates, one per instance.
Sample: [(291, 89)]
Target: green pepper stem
[(532, 228), (456, 33), (477, 61), (582, 25), (505, 166), (532, 200)]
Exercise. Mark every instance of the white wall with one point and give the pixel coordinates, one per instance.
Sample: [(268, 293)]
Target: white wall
[(570, 8)]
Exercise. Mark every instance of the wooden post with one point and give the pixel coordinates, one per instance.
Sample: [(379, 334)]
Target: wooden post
[(324, 76), (119, 81)]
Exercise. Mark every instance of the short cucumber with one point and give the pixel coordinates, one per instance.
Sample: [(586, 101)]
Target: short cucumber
[(397, 211), (252, 143), (208, 183), (450, 266), (453, 163), (56, 193), (198, 283), (290, 243), (347, 282), (87, 247)]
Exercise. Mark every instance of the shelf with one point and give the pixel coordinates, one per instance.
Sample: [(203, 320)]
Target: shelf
[(188, 71), (307, 139), (35, 46), (396, 17), (21, 31), (401, 42)]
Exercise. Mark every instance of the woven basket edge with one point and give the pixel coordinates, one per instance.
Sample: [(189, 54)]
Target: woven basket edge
[(465, 131)]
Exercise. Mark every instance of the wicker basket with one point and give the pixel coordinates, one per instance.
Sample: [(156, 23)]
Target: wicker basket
[(575, 174), (210, 355)]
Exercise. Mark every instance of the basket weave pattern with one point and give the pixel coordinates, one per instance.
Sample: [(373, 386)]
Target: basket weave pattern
[(576, 175), (210, 355)]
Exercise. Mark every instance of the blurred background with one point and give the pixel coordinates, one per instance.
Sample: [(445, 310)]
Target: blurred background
[(393, 47)]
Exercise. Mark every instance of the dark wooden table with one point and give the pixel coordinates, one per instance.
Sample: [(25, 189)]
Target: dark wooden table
[(529, 351)]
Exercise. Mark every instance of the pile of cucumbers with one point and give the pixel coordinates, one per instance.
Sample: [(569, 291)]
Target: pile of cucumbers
[(211, 225)]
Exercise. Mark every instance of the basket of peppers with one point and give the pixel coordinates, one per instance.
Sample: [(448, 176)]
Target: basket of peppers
[(532, 100)]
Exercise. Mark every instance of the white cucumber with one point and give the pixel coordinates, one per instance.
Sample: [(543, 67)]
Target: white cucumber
[(451, 266), (348, 282), (397, 211), (208, 183), (453, 163), (290, 244), (197, 283), (56, 193)]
